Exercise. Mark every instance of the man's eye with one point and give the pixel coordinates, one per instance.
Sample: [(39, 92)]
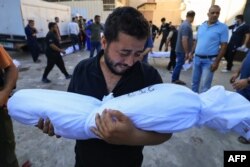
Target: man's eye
[(138, 54), (124, 54)]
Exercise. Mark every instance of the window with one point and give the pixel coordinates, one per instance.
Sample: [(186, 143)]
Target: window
[(108, 5)]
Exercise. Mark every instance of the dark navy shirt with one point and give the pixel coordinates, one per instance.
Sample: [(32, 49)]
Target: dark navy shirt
[(238, 34)]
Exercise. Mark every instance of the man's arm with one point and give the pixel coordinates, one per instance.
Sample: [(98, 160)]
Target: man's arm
[(222, 52), (145, 52), (184, 42), (170, 35), (54, 47), (247, 37), (121, 131), (11, 74)]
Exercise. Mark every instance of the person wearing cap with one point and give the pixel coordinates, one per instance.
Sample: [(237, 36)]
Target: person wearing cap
[(211, 45)]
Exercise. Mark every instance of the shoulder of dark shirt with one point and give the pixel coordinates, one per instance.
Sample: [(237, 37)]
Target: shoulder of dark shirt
[(150, 73)]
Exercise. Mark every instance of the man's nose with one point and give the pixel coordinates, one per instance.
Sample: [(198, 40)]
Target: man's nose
[(130, 60)]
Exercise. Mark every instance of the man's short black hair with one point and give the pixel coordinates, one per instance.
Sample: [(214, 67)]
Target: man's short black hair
[(240, 16), (51, 25), (96, 16), (163, 19), (127, 20), (190, 13)]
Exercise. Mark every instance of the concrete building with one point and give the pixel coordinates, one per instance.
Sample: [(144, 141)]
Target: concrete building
[(89, 8), (172, 10), (175, 10)]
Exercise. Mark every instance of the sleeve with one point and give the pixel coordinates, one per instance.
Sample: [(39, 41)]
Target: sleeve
[(50, 39), (28, 31), (5, 59), (170, 35), (224, 35), (231, 27), (185, 31)]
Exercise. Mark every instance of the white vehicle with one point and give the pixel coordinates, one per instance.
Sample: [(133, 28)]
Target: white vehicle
[(14, 16)]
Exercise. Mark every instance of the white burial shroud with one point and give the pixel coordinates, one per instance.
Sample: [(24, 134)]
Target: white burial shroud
[(164, 108)]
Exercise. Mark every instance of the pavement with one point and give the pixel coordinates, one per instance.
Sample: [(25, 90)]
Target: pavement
[(196, 147)]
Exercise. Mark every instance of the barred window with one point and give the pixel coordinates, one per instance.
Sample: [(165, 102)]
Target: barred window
[(108, 5)]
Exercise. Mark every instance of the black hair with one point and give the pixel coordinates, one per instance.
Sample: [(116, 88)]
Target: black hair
[(190, 13), (163, 19), (96, 16), (51, 25), (127, 20), (240, 16)]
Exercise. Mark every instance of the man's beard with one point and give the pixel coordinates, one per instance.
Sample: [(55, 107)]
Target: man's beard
[(111, 65)]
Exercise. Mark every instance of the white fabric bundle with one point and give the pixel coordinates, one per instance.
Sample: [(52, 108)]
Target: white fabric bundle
[(164, 108), (159, 54)]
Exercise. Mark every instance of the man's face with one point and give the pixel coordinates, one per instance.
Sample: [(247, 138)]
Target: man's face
[(57, 20), (238, 21), (97, 20), (32, 24), (122, 54), (54, 29), (213, 14)]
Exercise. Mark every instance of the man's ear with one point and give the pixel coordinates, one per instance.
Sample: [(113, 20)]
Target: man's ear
[(103, 42)]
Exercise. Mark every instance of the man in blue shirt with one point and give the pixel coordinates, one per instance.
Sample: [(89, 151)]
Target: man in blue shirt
[(211, 44), (242, 85)]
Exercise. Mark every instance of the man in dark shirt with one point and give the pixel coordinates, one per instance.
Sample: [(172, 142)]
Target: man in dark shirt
[(172, 39), (239, 38), (53, 53), (164, 30), (32, 43), (154, 30), (117, 69)]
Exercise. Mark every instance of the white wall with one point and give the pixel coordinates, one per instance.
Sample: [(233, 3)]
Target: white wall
[(87, 9)]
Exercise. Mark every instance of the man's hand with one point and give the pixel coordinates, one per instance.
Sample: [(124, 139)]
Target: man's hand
[(62, 51), (190, 57), (240, 84), (114, 127), (214, 67), (47, 127), (234, 77)]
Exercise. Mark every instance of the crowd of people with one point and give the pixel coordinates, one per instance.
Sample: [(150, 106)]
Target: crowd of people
[(121, 67)]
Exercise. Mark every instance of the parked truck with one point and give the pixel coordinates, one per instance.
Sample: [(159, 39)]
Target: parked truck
[(14, 16)]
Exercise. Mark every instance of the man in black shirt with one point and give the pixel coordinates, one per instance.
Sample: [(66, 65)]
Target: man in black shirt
[(172, 38), (53, 53), (239, 38), (164, 30), (117, 69)]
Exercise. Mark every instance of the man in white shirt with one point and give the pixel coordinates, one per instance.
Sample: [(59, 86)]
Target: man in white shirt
[(73, 31)]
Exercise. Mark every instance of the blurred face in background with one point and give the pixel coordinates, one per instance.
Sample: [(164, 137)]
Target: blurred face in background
[(97, 20), (57, 19)]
